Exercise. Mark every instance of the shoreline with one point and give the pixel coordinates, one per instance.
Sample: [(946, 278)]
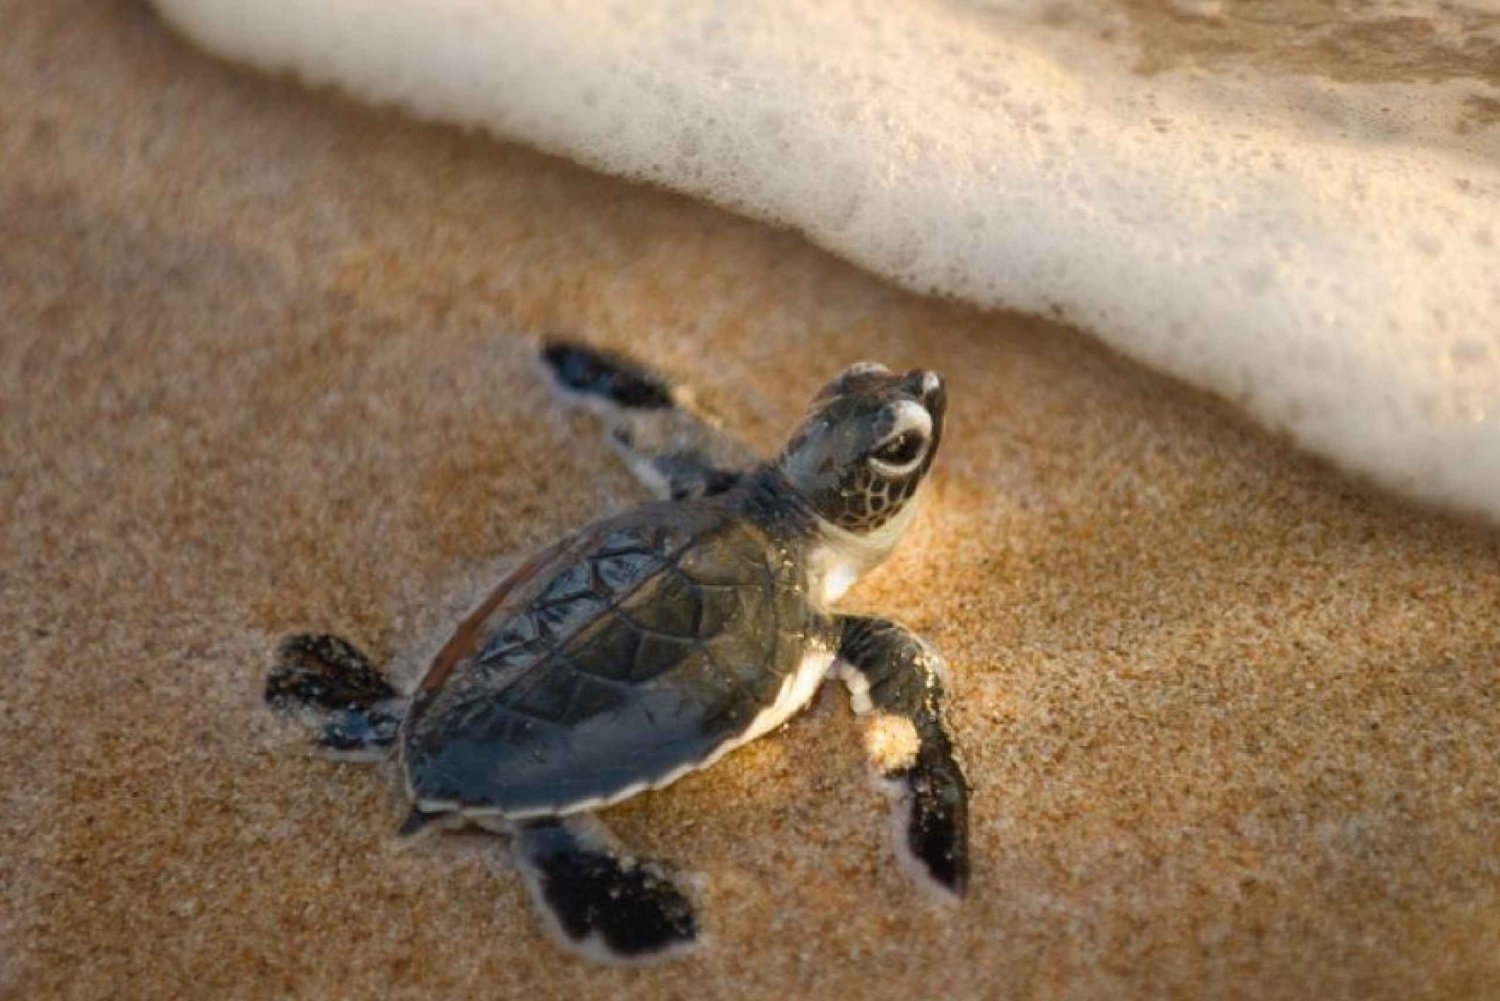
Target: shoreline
[(1230, 717)]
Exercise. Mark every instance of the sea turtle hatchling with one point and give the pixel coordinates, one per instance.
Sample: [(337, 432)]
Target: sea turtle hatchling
[(649, 644)]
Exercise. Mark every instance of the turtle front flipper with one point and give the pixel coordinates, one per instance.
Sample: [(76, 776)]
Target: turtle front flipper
[(671, 447), (894, 684), (601, 904), (328, 684)]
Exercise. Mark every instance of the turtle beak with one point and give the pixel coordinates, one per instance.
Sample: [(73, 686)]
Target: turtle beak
[(928, 387)]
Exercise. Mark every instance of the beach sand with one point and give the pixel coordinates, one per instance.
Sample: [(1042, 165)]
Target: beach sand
[(266, 365)]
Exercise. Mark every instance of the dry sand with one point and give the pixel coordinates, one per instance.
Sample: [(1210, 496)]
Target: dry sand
[(1231, 719)]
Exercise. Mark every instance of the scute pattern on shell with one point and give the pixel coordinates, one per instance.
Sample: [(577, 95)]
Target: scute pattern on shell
[(643, 644)]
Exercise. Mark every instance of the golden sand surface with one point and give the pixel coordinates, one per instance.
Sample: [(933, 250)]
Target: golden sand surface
[(1231, 720), (1372, 41)]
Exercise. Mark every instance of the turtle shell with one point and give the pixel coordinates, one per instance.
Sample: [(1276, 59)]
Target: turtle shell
[(622, 657)]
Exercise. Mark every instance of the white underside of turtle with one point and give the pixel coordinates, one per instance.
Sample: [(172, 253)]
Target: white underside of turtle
[(652, 644)]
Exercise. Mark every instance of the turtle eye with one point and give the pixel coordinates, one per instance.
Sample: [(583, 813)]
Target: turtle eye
[(900, 450)]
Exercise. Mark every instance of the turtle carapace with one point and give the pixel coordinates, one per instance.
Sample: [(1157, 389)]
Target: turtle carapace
[(650, 644)]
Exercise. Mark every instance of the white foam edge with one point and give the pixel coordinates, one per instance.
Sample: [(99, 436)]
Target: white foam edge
[(1337, 284)]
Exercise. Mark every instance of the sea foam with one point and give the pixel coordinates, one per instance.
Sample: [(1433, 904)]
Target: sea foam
[(1325, 254)]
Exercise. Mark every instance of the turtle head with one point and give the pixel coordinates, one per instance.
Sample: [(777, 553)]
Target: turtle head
[(866, 445)]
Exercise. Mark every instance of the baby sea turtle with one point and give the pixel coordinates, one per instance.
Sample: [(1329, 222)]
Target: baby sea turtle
[(650, 644)]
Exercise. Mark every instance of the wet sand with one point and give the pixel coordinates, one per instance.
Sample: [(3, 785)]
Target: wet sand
[(264, 365)]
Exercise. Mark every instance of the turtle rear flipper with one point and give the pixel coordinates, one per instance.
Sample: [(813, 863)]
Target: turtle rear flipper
[(670, 446), (600, 903), (326, 683)]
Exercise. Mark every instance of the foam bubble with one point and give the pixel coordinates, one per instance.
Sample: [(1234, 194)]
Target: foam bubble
[(1323, 254)]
